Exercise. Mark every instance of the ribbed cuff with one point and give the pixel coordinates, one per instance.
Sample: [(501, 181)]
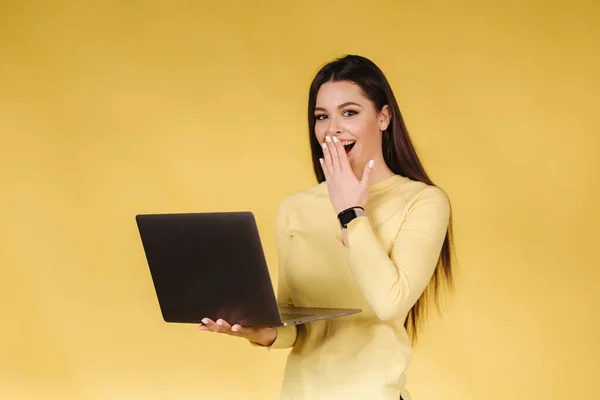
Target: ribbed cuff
[(355, 224)]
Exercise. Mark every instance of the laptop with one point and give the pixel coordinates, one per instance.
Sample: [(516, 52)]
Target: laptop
[(213, 265)]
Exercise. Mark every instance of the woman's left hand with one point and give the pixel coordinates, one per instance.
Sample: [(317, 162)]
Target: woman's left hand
[(345, 190)]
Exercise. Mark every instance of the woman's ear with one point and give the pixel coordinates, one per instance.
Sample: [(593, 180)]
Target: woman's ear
[(385, 116)]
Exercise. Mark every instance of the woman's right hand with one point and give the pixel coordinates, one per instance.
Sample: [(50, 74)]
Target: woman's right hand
[(264, 336)]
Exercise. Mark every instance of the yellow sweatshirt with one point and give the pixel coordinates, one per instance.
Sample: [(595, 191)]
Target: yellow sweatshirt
[(392, 253)]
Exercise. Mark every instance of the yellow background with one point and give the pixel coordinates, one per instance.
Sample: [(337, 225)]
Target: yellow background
[(112, 108)]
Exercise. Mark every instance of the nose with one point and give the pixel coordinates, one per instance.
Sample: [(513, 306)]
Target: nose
[(334, 126)]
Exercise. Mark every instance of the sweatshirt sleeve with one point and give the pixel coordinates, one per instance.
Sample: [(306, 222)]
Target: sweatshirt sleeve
[(286, 335), (393, 283)]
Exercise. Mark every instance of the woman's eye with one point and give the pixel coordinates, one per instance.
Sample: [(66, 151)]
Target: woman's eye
[(349, 113), (320, 117)]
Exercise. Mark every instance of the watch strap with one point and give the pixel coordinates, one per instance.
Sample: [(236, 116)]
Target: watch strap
[(349, 214)]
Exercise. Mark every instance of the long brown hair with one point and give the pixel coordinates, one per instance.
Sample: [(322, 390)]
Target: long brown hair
[(398, 153)]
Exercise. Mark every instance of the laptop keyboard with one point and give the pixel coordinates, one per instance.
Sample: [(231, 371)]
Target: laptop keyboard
[(287, 317)]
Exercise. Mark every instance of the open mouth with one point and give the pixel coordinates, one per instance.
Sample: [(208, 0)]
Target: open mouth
[(348, 145)]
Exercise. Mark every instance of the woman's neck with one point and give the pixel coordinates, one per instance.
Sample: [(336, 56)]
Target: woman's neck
[(380, 173)]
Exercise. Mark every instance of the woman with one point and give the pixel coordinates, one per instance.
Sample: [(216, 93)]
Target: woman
[(375, 234)]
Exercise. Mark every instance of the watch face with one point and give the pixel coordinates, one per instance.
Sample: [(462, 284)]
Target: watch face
[(347, 216)]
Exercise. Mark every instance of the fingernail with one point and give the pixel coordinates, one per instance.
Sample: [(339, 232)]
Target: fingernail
[(335, 139), (205, 321), (371, 163), (219, 322), (234, 328), (324, 146), (321, 160), (328, 138)]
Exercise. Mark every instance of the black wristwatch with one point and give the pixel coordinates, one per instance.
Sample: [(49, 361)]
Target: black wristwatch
[(349, 214)]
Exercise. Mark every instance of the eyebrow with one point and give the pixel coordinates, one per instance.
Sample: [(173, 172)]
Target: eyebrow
[(346, 104)]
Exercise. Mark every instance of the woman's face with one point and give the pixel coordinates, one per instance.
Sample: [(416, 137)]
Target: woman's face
[(342, 110)]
